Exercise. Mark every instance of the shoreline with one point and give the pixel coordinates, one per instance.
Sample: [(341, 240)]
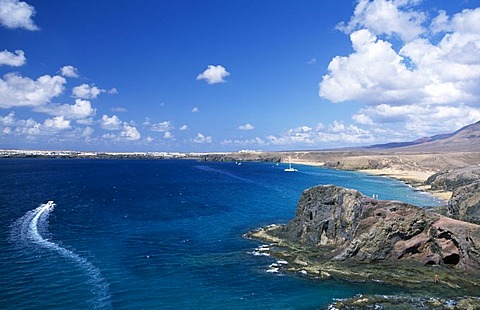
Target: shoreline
[(300, 262), (326, 240), (413, 178)]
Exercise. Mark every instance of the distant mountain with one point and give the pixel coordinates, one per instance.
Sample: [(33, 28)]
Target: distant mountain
[(466, 139), (392, 145)]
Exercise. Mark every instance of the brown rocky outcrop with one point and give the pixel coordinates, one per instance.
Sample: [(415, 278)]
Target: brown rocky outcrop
[(465, 203), (345, 226), (451, 179), (465, 186)]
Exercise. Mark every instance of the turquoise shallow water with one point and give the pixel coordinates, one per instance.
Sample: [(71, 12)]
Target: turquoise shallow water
[(132, 234)]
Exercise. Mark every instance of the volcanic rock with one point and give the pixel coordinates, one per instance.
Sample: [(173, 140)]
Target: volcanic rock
[(350, 227), (465, 186)]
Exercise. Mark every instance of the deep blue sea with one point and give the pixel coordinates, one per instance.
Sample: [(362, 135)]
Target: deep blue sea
[(159, 234)]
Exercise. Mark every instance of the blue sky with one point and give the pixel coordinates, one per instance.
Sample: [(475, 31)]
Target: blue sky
[(232, 75)]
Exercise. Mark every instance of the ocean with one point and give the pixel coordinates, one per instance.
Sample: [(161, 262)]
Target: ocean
[(160, 234)]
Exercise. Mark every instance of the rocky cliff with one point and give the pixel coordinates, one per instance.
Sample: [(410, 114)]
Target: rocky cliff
[(340, 233), (352, 227), (464, 183)]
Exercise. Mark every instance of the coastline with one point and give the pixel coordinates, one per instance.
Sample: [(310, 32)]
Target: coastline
[(322, 242), (402, 167), (414, 178)]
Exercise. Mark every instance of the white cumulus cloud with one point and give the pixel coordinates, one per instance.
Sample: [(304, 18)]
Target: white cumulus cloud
[(17, 14), (246, 142), (109, 136), (214, 74), (110, 123), (373, 73), (113, 91), (8, 120), (16, 59), (362, 119), (87, 132), (387, 17), (434, 67), (337, 126), (130, 132), (69, 71), (86, 91), (195, 110), (183, 128), (57, 123), (246, 127), (336, 134), (16, 90), (81, 109), (11, 125), (162, 126), (200, 138), (423, 120)]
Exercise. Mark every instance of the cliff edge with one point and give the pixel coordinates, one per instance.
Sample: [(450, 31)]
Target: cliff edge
[(464, 183), (340, 232)]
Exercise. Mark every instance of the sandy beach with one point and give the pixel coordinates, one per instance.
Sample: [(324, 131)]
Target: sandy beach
[(414, 178)]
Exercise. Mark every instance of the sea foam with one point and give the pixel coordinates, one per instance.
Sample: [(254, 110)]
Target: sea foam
[(28, 230)]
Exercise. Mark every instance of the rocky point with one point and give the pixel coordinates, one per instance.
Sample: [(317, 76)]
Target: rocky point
[(340, 232)]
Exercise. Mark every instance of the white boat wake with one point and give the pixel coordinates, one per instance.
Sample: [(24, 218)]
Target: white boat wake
[(28, 229)]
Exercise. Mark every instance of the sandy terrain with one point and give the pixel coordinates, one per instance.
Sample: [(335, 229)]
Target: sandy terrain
[(412, 177), (413, 169)]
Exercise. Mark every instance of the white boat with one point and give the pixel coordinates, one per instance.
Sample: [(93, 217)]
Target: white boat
[(290, 168)]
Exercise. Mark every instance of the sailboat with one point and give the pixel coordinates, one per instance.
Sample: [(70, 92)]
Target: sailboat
[(290, 168)]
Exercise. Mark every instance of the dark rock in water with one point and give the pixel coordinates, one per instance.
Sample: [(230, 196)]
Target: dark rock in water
[(350, 227), (465, 186), (341, 234)]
